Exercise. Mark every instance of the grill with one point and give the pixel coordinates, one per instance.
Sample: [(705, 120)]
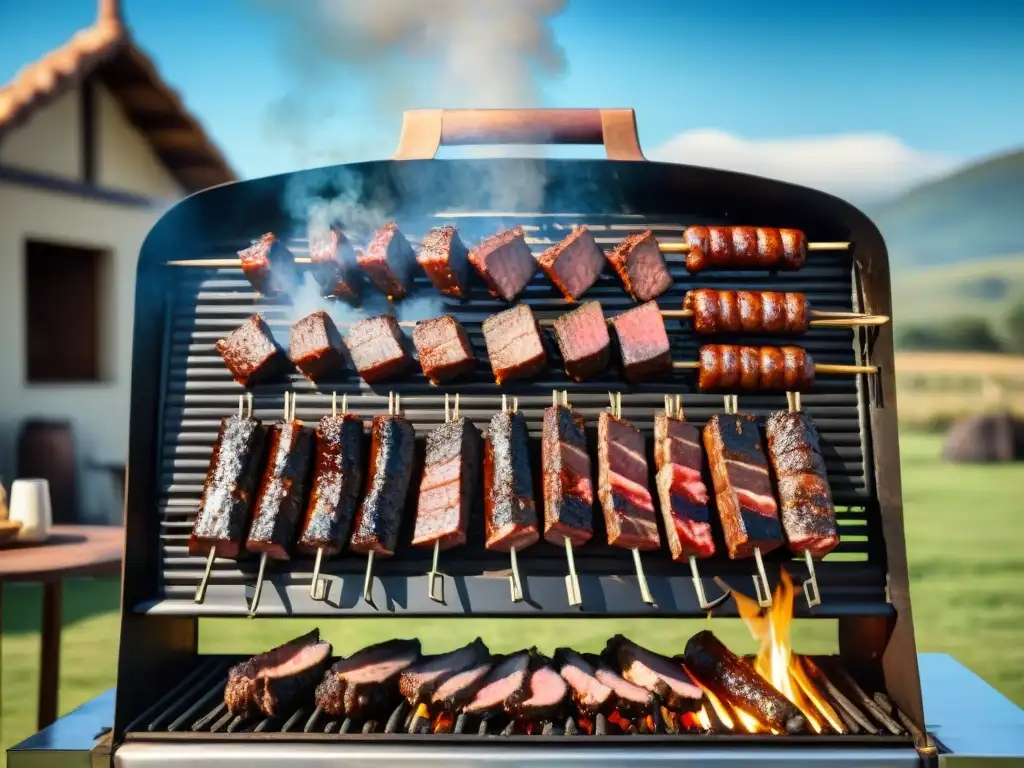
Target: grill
[(180, 391)]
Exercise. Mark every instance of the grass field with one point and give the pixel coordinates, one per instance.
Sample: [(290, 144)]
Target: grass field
[(966, 557)]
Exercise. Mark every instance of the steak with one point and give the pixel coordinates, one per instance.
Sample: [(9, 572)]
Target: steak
[(451, 475), (589, 694), (639, 264), (681, 490), (251, 354), (514, 346), (316, 347), (574, 264), (443, 256), (643, 343), (366, 683), (510, 513), (269, 266), (378, 349), (443, 348), (568, 488), (278, 680), (392, 451), (630, 699), (333, 263), (663, 677), (388, 261), (622, 485), (583, 341), (544, 695), (507, 681), (504, 262), (460, 689), (418, 682)]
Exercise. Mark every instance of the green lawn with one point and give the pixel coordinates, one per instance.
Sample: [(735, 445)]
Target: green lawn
[(966, 558)]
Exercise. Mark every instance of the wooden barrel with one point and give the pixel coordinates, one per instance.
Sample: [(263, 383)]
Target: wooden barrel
[(47, 449)]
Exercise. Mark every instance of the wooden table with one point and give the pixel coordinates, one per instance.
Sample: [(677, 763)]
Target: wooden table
[(71, 550)]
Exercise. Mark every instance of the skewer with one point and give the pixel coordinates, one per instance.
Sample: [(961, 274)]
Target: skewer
[(572, 580), (318, 586), (827, 368), (810, 586), (515, 583), (394, 409), (435, 577), (837, 245), (823, 318), (761, 588), (638, 565)]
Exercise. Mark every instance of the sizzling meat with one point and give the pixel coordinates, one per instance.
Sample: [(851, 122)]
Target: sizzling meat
[(278, 681), (717, 311), (583, 341), (366, 683), (251, 354), (743, 491), (337, 483), (507, 681), (379, 520), (316, 346), (514, 346), (510, 513), (269, 266), (639, 264), (681, 491), (574, 264), (622, 485), (643, 342), (504, 262), (444, 349), (630, 699), (543, 697), (589, 694), (334, 264), (728, 248), (731, 367), (420, 681), (377, 349), (445, 259), (388, 261), (568, 489), (460, 689), (451, 474), (663, 677)]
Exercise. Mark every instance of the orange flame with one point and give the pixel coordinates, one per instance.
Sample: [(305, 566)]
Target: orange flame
[(444, 722), (703, 719), (585, 724), (776, 661)]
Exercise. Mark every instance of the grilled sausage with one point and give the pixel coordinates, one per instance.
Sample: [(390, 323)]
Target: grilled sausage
[(731, 367), (731, 247)]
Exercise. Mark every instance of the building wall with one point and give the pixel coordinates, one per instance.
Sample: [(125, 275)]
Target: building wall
[(50, 142), (98, 411)]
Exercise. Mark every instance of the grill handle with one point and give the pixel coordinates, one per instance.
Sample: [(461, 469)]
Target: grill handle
[(425, 130)]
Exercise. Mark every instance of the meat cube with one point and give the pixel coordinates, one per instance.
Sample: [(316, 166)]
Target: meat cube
[(743, 490), (622, 485), (377, 349), (269, 266), (334, 264), (316, 347), (643, 342), (568, 491), (574, 264), (444, 349), (504, 262), (388, 261), (451, 470), (514, 346), (445, 259), (583, 341), (639, 264), (251, 354)]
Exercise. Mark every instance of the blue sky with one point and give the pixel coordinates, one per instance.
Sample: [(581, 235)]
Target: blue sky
[(937, 80)]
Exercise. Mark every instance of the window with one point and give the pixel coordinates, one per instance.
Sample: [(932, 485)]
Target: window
[(64, 290)]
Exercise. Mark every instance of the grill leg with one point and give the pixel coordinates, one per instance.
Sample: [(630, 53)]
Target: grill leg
[(49, 672)]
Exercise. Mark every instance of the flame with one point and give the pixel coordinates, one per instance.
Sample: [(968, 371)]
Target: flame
[(703, 719), (585, 724), (444, 722), (529, 728), (724, 715), (777, 663), (616, 718)]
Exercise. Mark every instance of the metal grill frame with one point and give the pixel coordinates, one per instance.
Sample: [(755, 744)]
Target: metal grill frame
[(159, 639)]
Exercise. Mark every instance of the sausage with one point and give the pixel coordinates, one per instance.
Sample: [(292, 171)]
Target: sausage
[(737, 247), (734, 681), (717, 312), (731, 366)]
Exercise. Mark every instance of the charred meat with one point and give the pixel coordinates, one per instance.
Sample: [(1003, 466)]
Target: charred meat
[(506, 682), (574, 264), (568, 488), (420, 681), (269, 266), (316, 347), (715, 311), (225, 508), (679, 459), (388, 261), (504, 262), (443, 348), (251, 354), (278, 681), (731, 367), (663, 677), (630, 699), (583, 341), (638, 262), (443, 256), (366, 683), (543, 697), (514, 346), (727, 248), (461, 688), (643, 342), (451, 475), (337, 483), (510, 513), (334, 264), (622, 485), (391, 465), (589, 694), (377, 349)]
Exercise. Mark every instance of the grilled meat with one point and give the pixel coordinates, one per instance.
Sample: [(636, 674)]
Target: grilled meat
[(568, 489), (444, 349), (744, 248), (419, 682), (377, 349), (333, 263), (282, 495), (225, 508), (663, 677), (732, 367), (391, 466), (316, 348), (639, 264), (365, 684), (735, 682), (277, 681), (251, 354), (631, 699), (510, 513), (715, 311), (643, 342), (589, 694), (451, 475), (583, 341), (543, 697), (337, 483), (679, 459), (504, 262), (461, 688), (574, 264), (506, 682), (807, 511), (269, 266), (622, 485), (743, 491), (514, 346), (445, 259), (388, 261)]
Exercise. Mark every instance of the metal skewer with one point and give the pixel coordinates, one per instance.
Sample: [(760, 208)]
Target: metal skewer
[(645, 592), (435, 579), (515, 583), (394, 409), (572, 580), (810, 587), (318, 586)]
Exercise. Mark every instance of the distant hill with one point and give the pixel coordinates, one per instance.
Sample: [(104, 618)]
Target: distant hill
[(974, 213)]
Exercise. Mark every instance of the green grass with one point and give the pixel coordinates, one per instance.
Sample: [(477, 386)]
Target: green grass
[(966, 558)]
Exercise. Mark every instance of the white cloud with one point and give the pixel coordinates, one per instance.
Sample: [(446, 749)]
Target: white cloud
[(860, 167)]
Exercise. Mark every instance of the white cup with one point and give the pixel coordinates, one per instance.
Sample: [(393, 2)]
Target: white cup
[(30, 505)]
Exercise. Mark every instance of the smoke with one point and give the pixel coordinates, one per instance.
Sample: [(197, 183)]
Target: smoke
[(363, 62)]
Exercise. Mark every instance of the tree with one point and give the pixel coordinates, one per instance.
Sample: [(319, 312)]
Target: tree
[(962, 334), (1015, 328)]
